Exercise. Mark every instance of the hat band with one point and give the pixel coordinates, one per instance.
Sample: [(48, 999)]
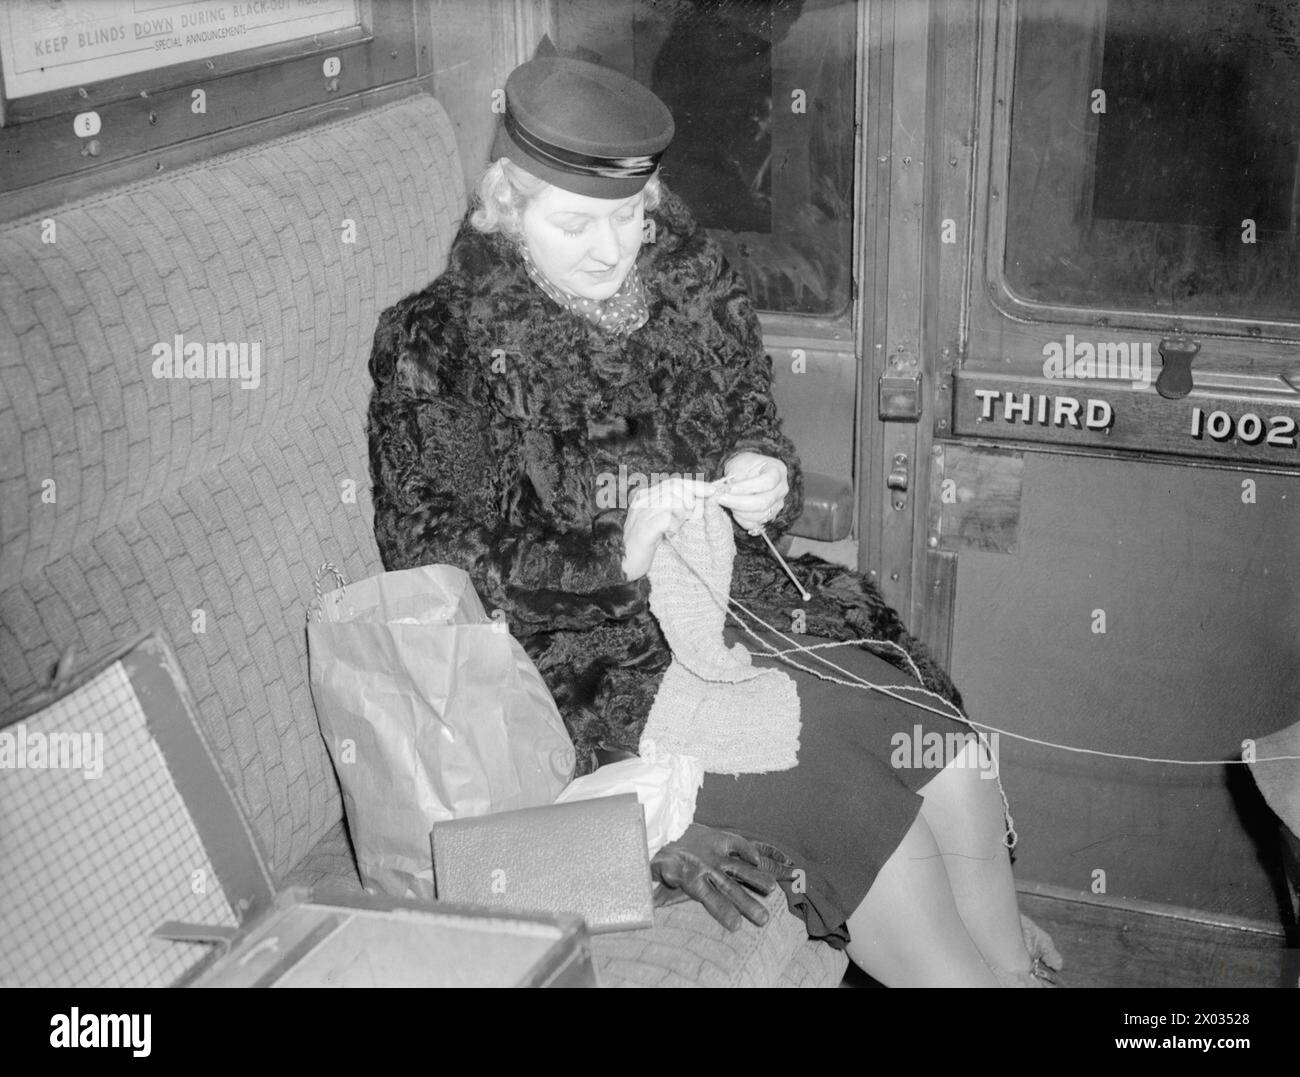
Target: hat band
[(583, 164)]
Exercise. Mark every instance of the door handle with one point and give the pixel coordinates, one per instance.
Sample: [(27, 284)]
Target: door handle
[(898, 480), (898, 475)]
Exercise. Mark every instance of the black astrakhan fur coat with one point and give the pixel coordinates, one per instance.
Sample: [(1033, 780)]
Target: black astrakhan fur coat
[(498, 425)]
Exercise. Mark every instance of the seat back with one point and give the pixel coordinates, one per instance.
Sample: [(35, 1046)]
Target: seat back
[(141, 488)]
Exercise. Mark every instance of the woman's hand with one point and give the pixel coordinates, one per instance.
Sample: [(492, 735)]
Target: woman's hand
[(757, 486), (655, 511)]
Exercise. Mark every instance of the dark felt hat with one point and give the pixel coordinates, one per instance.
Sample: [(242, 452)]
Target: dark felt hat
[(582, 127)]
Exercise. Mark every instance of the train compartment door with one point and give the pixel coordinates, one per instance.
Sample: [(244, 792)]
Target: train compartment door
[(1112, 507)]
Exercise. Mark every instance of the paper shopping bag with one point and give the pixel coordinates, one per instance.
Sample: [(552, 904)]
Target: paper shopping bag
[(432, 711)]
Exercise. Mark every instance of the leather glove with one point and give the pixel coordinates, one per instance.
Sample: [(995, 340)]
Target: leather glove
[(710, 866)]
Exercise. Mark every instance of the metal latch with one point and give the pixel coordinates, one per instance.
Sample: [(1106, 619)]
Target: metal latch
[(898, 477), (900, 397), (1175, 380)]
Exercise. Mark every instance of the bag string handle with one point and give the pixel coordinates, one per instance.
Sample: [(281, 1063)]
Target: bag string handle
[(318, 603)]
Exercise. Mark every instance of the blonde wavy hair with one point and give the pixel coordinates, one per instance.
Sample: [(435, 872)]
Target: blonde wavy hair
[(505, 190)]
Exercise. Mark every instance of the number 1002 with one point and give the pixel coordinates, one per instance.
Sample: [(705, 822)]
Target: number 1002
[(1249, 428)]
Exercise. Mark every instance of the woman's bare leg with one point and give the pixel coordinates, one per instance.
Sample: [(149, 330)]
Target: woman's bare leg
[(963, 808), (908, 932)]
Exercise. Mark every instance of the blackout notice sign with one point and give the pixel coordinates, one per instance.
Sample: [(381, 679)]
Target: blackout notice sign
[(46, 46)]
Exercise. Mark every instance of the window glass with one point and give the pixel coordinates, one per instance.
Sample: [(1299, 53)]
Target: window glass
[(1155, 156), (762, 93)]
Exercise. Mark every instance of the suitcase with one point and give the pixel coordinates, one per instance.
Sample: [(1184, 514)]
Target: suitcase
[(126, 861), (314, 939)]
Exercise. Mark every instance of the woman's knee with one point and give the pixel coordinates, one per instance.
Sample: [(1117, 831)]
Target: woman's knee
[(969, 776)]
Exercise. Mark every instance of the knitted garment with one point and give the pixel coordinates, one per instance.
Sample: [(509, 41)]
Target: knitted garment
[(713, 703), (623, 312)]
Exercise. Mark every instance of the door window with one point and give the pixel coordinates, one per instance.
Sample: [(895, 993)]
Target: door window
[(762, 93), (1155, 157)]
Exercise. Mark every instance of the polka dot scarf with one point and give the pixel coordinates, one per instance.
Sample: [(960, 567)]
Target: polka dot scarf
[(622, 313)]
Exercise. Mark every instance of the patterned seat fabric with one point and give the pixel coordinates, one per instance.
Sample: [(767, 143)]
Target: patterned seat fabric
[(193, 504), (197, 505)]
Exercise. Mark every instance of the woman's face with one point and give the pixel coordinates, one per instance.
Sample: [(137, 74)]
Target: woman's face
[(584, 246)]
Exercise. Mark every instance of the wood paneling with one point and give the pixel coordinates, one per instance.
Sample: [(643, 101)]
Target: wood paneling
[(1117, 946), (474, 46), (975, 498), (1133, 946)]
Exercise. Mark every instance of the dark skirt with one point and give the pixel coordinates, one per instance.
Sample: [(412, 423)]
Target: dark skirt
[(840, 813)]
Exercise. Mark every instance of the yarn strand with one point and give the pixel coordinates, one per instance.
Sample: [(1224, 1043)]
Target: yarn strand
[(856, 681), (1009, 837), (798, 648)]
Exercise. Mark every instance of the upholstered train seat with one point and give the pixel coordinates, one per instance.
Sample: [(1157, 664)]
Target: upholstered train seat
[(134, 500)]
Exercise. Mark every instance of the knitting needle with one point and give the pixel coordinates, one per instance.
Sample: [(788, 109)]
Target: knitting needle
[(777, 554), (723, 485)]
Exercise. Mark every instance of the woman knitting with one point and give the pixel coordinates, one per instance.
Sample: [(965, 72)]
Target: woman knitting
[(584, 325)]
